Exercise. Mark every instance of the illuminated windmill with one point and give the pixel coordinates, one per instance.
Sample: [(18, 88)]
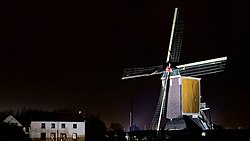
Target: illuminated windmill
[(180, 92)]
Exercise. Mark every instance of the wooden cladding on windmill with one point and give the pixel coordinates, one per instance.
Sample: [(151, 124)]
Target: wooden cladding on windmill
[(190, 93)]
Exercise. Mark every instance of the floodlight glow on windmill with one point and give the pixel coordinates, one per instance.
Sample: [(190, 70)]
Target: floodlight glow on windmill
[(179, 99)]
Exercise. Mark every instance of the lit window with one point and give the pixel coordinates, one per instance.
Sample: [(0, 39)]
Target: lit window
[(63, 125), (74, 136), (74, 125), (43, 136), (53, 125), (42, 125)]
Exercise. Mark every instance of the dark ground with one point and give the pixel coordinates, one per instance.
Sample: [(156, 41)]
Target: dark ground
[(210, 135)]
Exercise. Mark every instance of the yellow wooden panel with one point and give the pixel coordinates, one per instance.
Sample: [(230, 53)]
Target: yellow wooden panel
[(190, 95)]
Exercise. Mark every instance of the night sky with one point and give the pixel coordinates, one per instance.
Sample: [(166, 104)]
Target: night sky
[(71, 54)]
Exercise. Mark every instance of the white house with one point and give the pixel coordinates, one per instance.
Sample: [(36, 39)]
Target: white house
[(57, 127)]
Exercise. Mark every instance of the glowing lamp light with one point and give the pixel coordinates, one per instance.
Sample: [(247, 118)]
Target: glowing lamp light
[(203, 134)]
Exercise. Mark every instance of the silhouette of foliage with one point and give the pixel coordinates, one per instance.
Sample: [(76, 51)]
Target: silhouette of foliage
[(11, 132), (116, 127), (95, 128)]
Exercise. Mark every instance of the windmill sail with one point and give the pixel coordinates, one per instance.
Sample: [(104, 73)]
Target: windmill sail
[(142, 71), (203, 67), (155, 121), (176, 36)]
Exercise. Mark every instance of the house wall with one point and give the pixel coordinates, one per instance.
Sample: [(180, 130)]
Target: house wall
[(36, 130)]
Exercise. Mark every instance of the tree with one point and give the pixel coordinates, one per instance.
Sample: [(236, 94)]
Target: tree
[(95, 128), (116, 132), (12, 133), (116, 127)]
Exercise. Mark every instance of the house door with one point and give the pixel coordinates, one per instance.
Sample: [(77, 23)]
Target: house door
[(63, 137), (53, 136)]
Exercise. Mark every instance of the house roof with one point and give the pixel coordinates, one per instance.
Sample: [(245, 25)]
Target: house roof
[(50, 116), (11, 120)]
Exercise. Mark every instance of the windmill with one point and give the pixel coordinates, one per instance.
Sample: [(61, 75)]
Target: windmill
[(179, 99)]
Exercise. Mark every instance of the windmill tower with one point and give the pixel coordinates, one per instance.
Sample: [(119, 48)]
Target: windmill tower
[(179, 101)]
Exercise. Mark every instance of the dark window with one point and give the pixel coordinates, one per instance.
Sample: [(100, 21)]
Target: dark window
[(74, 125), (42, 125), (63, 125), (43, 136), (53, 125)]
